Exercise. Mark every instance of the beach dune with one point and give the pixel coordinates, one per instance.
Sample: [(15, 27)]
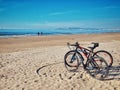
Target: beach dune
[(37, 63)]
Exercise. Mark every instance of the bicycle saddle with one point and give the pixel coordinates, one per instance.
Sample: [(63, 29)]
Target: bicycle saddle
[(95, 45)]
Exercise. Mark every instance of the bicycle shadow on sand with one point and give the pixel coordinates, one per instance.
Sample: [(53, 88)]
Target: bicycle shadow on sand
[(114, 73)]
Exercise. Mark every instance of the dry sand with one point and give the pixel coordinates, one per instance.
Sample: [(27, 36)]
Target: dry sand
[(36, 63)]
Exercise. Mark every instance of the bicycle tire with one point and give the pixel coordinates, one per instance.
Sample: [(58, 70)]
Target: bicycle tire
[(100, 68), (72, 65), (106, 55)]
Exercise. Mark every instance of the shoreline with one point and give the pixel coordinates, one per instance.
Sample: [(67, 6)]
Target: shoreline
[(66, 31), (35, 35), (22, 43)]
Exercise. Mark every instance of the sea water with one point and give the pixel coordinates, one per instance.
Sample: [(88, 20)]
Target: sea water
[(4, 33)]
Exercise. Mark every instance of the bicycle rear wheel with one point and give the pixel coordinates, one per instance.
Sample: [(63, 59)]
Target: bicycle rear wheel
[(106, 55), (98, 68), (71, 60)]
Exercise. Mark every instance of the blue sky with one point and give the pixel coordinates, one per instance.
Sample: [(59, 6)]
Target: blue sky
[(59, 13)]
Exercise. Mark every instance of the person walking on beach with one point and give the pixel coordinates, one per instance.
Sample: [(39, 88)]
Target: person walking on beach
[(38, 33)]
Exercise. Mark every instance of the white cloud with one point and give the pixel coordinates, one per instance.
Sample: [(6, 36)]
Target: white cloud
[(61, 13), (62, 24), (45, 25), (108, 7), (57, 25), (56, 13)]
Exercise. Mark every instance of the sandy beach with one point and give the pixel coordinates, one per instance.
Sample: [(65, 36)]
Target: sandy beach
[(36, 63)]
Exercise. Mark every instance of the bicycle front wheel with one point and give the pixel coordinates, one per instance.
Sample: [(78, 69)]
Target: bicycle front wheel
[(106, 55), (97, 67), (71, 60)]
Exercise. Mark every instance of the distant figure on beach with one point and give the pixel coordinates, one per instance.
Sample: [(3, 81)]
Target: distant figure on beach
[(40, 33)]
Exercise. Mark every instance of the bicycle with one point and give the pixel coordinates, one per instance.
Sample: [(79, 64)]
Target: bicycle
[(95, 65), (102, 53)]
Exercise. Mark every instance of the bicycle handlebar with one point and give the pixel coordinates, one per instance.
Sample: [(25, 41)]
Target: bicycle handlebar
[(76, 44)]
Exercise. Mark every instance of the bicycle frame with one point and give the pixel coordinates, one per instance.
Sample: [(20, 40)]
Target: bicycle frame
[(87, 53)]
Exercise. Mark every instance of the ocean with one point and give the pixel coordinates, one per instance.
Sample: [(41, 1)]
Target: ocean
[(5, 33)]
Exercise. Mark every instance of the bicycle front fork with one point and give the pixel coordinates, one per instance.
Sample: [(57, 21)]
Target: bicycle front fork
[(73, 58)]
